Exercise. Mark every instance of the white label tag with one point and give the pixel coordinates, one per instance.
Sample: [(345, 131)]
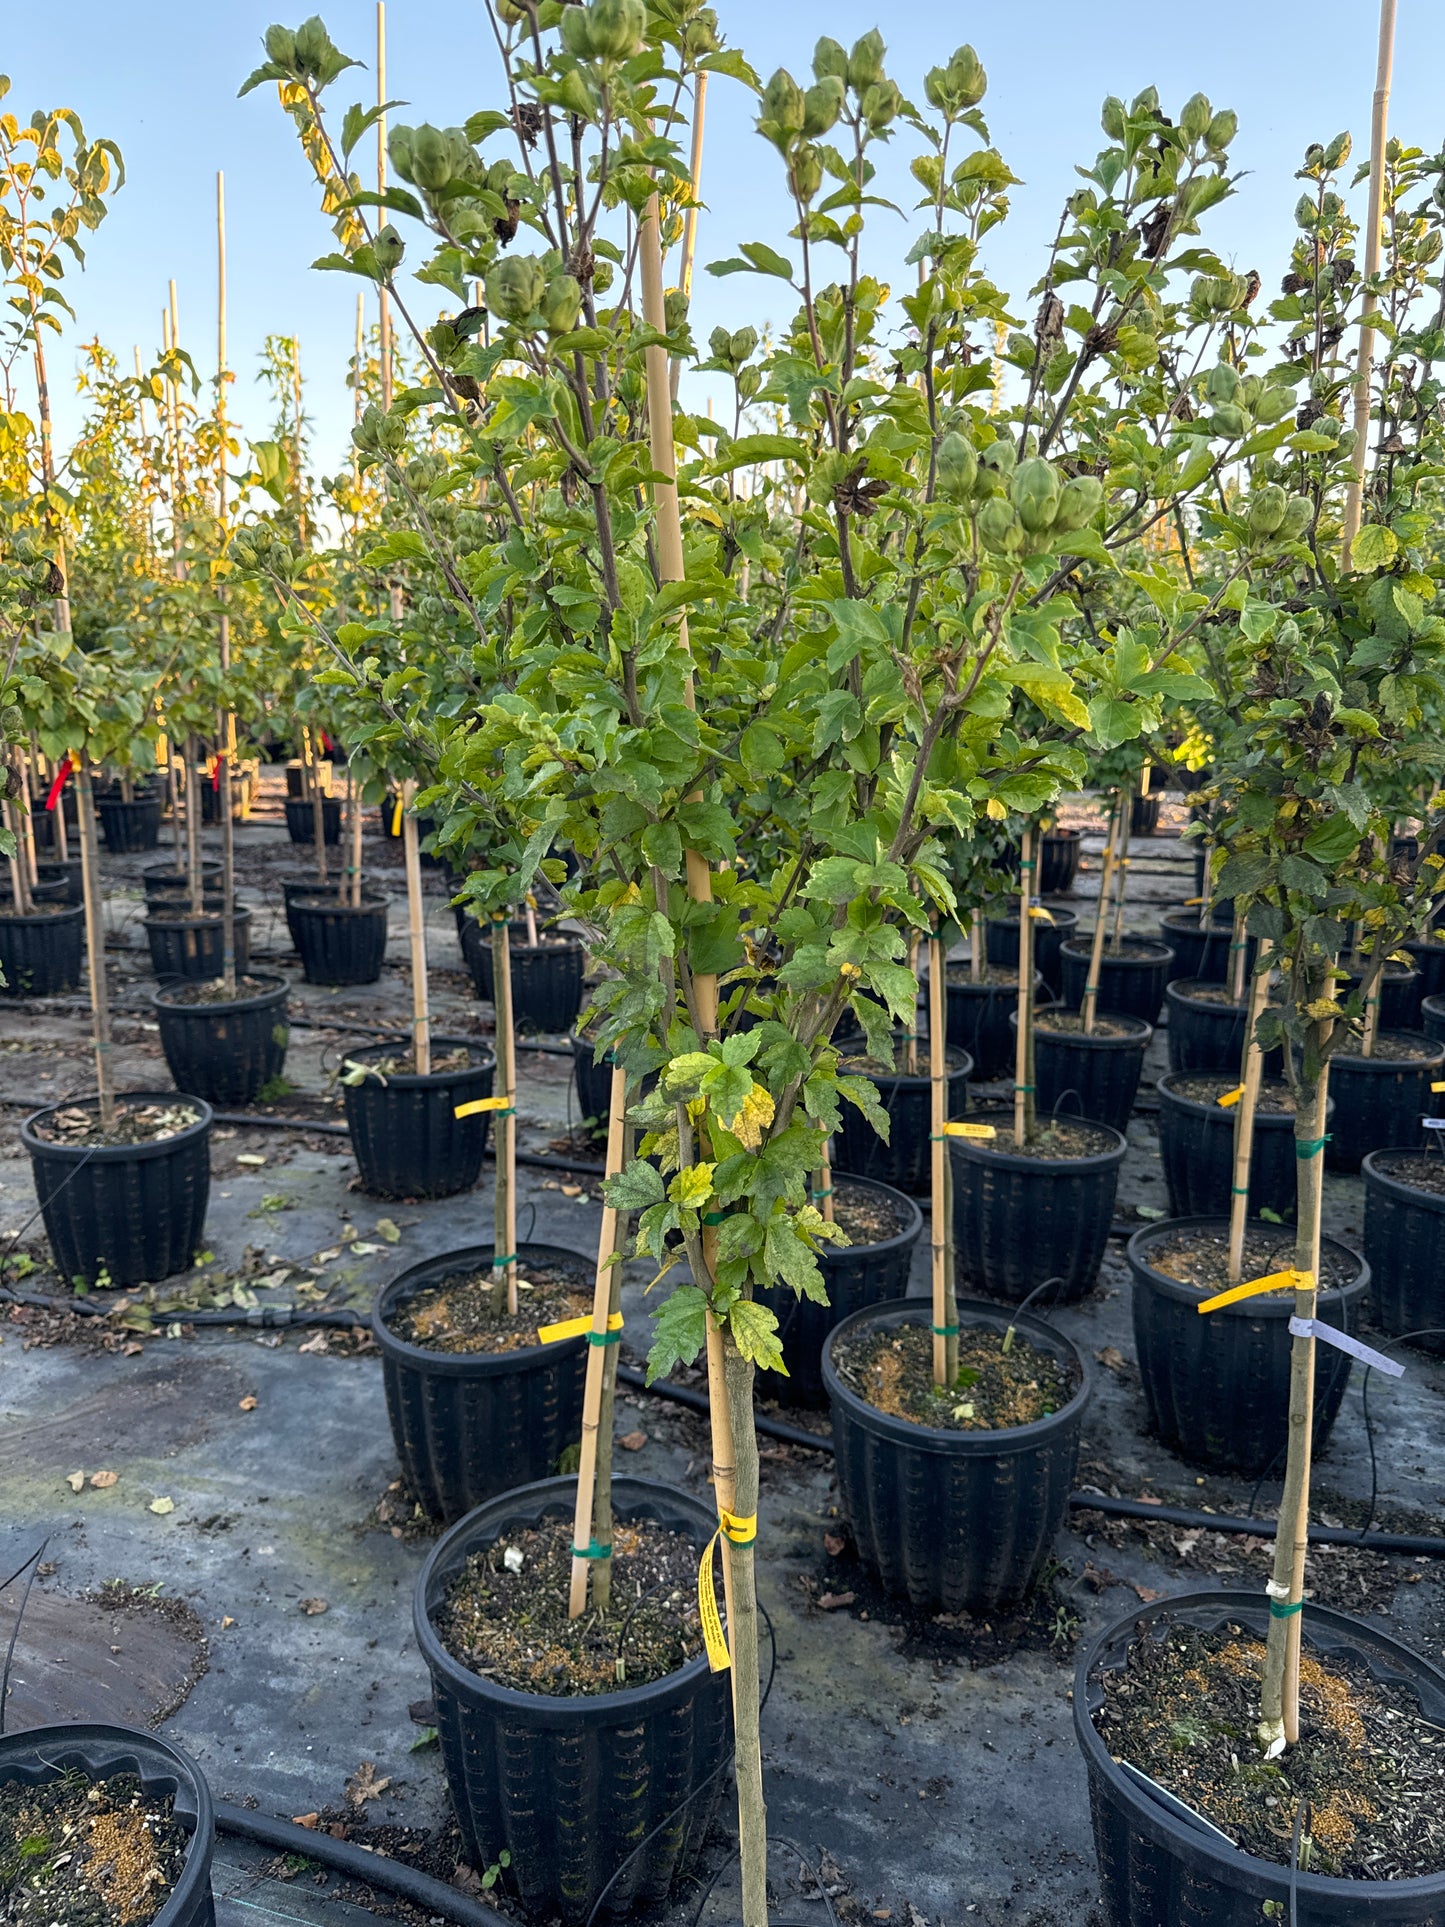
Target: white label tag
[(1342, 1342)]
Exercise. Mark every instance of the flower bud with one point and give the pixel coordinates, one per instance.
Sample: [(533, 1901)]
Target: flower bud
[(388, 249), (830, 58), (999, 528), (431, 160), (674, 310), (1079, 503), (1113, 118), (1222, 130), (511, 13), (822, 105), (515, 287), (1272, 405), (865, 62), (1267, 509), (805, 170), (1222, 383), (742, 344), (998, 461), (880, 105), (576, 30), (617, 28), (1229, 421), (561, 304), (1195, 118), (398, 150), (783, 107), (1035, 491), (1298, 515), (957, 466)]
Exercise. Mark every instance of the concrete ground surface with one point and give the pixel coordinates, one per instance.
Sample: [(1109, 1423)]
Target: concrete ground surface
[(247, 1576)]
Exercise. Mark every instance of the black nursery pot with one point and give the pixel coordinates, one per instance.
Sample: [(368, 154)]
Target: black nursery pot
[(40, 953), (577, 1791), (1157, 1866), (67, 872), (1196, 1148), (857, 1276), (1058, 861), (301, 821), (1001, 943), (593, 1078), (546, 977), (1096, 1077), (954, 1521), (1400, 991), (338, 943), (50, 890), (1143, 815), (1202, 955), (193, 948), (1379, 1102), (906, 1160), (1205, 1034), (406, 1137), (134, 1211), (1432, 1018), (978, 1020), (1019, 1222), (97, 1750), (469, 1425), (164, 882), (1430, 982), (1404, 1244), (129, 828), (1217, 1387), (1131, 979), (225, 1052)]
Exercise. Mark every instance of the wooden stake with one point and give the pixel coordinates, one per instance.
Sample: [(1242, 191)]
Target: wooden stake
[(1374, 223), (19, 887), (312, 783), (945, 1312), (1023, 1053), (609, 1260), (689, 222), (95, 943), (416, 917), (975, 947), (384, 299), (195, 885), (352, 868), (25, 836), (226, 720), (1245, 1115), (504, 1209), (910, 1042), (1238, 952), (823, 1184), (1101, 924), (1121, 868)]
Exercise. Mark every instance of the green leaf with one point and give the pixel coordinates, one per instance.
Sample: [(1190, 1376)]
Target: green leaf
[(635, 1188), (758, 260), (1375, 547), (1332, 841), (680, 1333), (754, 1331), (662, 845)]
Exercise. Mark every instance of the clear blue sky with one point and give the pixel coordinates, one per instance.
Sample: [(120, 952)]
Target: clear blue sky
[(161, 80)]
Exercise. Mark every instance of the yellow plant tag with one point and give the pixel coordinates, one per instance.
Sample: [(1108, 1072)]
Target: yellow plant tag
[(1276, 1281), (718, 1656), (396, 818), (1193, 903), (982, 1131), (574, 1328), (1438, 1087), (1038, 910), (1227, 1098), (482, 1104)]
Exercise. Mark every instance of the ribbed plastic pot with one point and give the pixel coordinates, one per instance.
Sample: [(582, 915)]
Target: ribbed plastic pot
[(193, 948), (1096, 1077), (95, 1751), (1217, 1388), (134, 1211), (978, 1020), (339, 943), (66, 872), (1058, 861), (1404, 1242), (593, 1078), (41, 953), (1380, 1101), (1202, 955), (857, 1276), (1400, 993), (1432, 1018), (578, 1791), (1001, 943), (1196, 1148), (905, 1161), (129, 828), (468, 1425), (1429, 962), (163, 881), (1204, 1034), (225, 1052), (1131, 979), (406, 1138), (1158, 1869), (52, 890), (1143, 815), (954, 1521), (1020, 1221), (546, 977), (301, 820)]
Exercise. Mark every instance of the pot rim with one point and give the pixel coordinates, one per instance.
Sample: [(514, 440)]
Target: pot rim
[(546, 1709), (371, 901), (1051, 904), (1208, 930), (1000, 1441), (241, 913), (117, 1153), (912, 1222), (1193, 1842), (46, 913), (434, 1080), (52, 1742), (462, 1364), (906, 1080), (1132, 954), (1178, 991), (1269, 1305), (259, 1000), (1269, 1120), (962, 1147), (1375, 1173), (1139, 1038), (1395, 1066)]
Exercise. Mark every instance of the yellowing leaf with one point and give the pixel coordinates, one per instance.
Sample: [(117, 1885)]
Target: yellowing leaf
[(102, 1481), (995, 810), (692, 1187), (162, 1505), (75, 1480), (387, 1230), (753, 1118)]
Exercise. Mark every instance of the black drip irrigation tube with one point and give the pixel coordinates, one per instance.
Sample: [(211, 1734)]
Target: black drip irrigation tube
[(370, 1869)]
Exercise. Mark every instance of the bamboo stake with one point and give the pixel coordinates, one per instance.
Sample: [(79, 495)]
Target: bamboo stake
[(312, 783), (530, 908), (689, 222), (1244, 1117), (384, 299), (25, 834), (416, 917), (19, 889), (1023, 1052), (195, 887), (1101, 924), (945, 1308), (1121, 868), (609, 1260), (1374, 223), (226, 720), (975, 947), (351, 871), (95, 943), (910, 1042), (1238, 952), (823, 1183), (504, 1209)]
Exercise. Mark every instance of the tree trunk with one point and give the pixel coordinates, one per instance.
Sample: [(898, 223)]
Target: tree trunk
[(352, 866), (95, 944), (1101, 919), (416, 919), (1244, 1118), (945, 1312), (195, 887), (504, 1209), (592, 1520), (743, 1640), (1025, 1113)]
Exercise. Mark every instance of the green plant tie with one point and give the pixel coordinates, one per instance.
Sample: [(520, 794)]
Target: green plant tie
[(1240, 1190), (824, 1194), (1023, 1087), (1091, 990), (1287, 1611), (500, 1264), (1027, 864), (604, 1338), (715, 1217), (1311, 1147), (592, 1551), (944, 1331)]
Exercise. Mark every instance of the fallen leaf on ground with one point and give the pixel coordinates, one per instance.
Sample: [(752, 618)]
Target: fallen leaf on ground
[(365, 1250), (132, 1350), (226, 1621), (313, 1606), (249, 1402), (384, 1228), (75, 1480), (162, 1505), (104, 1480), (364, 1785), (829, 1602), (249, 1157), (1148, 1594), (304, 1819), (632, 1441), (1112, 1358), (571, 1190), (316, 1343)]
